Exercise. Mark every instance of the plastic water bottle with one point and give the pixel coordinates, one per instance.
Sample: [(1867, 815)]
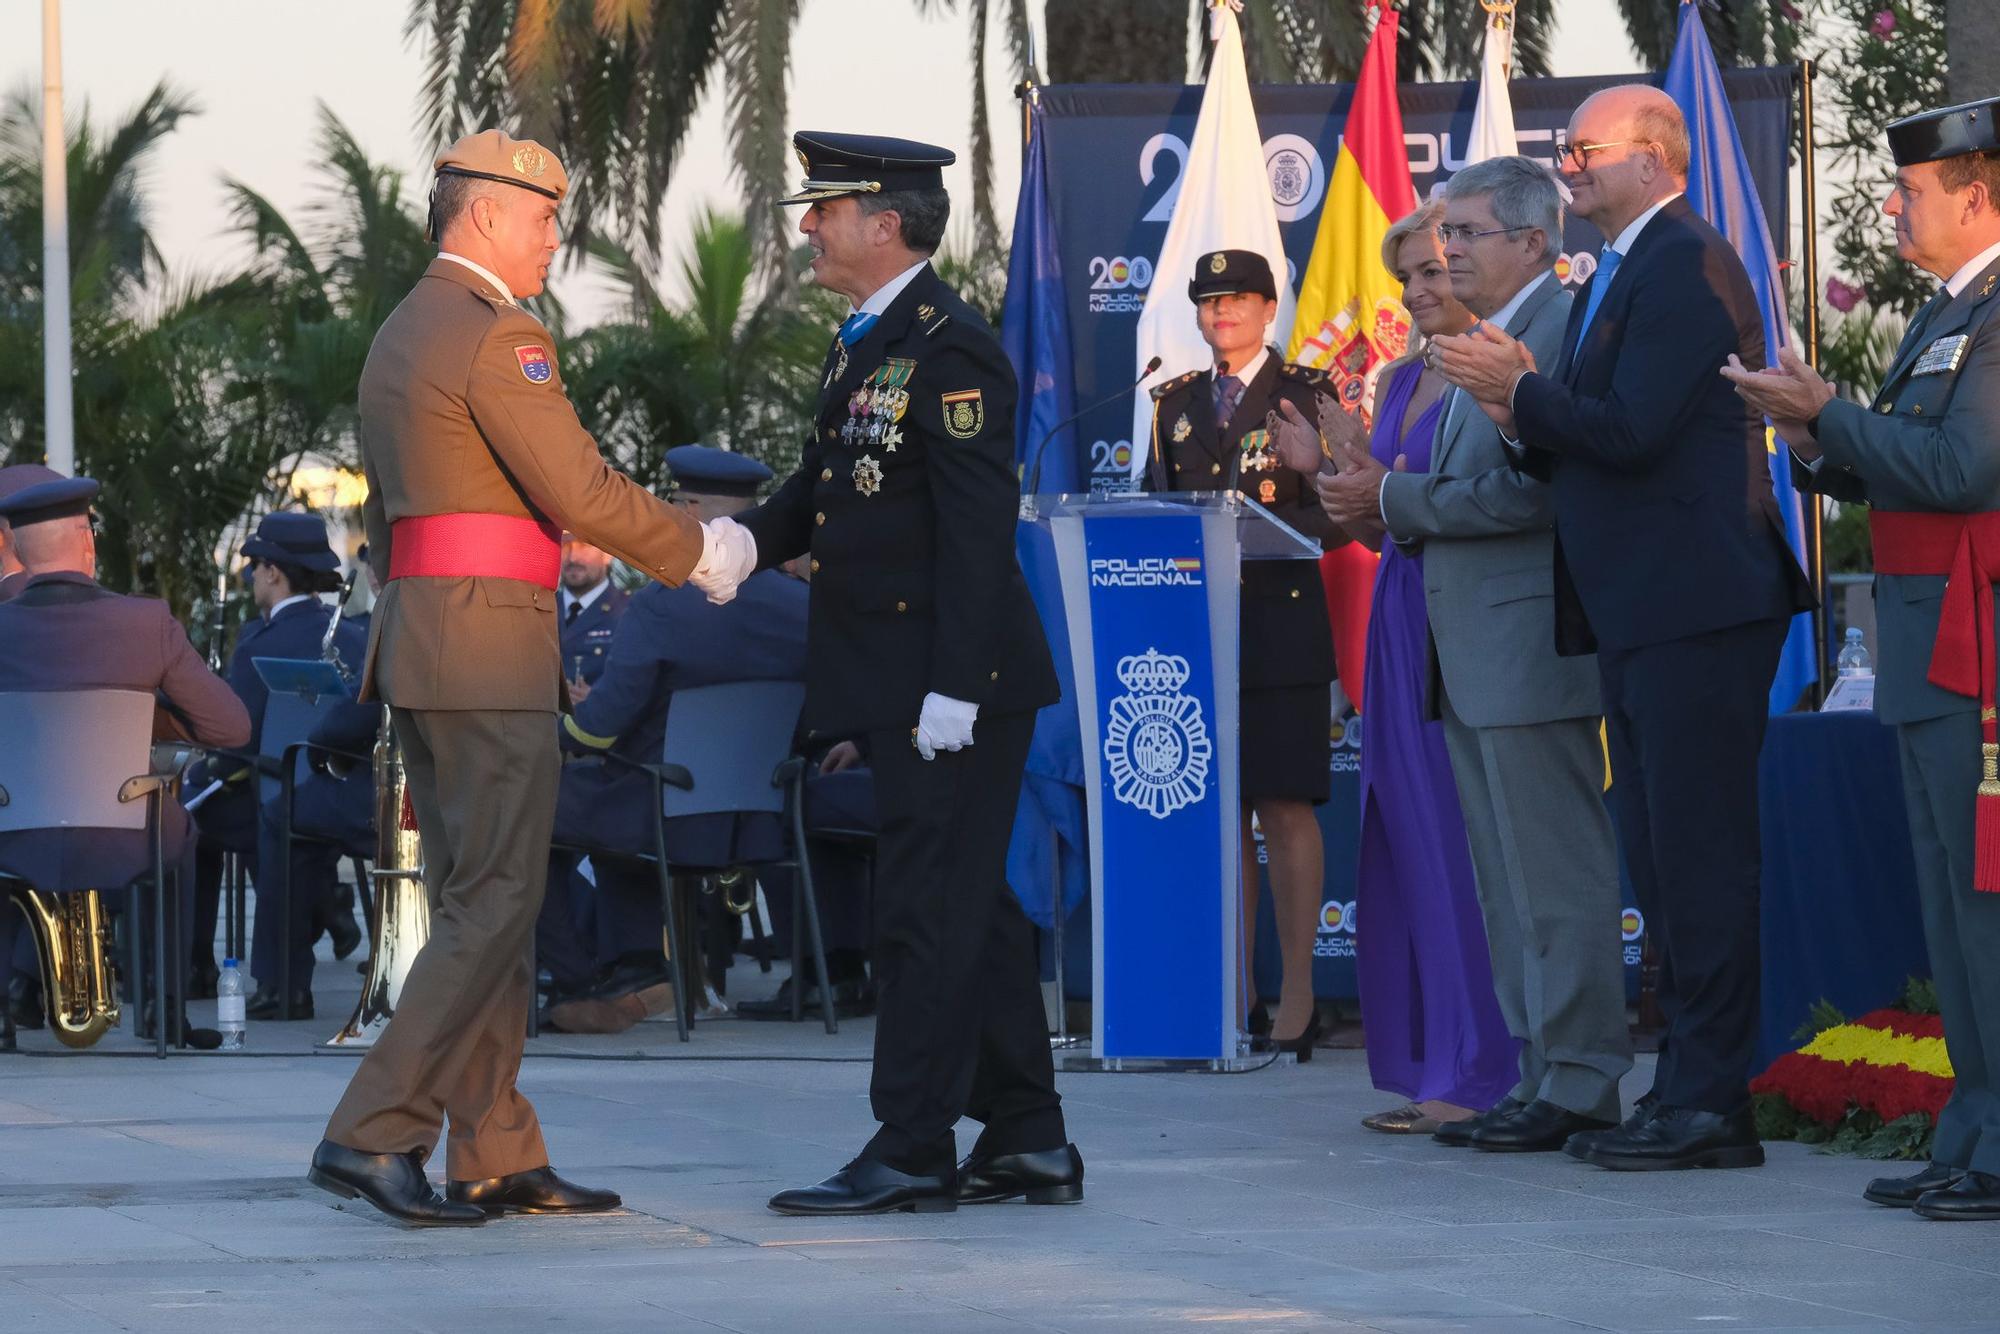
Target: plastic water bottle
[(229, 1005), (1853, 659)]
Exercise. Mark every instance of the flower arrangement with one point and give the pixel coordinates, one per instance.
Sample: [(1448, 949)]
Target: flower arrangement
[(1871, 1086)]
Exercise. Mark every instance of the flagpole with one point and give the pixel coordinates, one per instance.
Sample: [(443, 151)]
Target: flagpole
[(59, 422), (1809, 202)]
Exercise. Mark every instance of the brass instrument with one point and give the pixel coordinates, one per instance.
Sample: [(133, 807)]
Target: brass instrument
[(402, 908), (73, 938)]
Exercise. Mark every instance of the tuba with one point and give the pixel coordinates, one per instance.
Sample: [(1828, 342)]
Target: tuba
[(73, 940), (402, 909)]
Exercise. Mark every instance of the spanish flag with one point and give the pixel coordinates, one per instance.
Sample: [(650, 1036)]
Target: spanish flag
[(1350, 312)]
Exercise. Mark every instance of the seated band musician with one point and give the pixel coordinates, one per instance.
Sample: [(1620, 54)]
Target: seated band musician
[(62, 631), (668, 639)]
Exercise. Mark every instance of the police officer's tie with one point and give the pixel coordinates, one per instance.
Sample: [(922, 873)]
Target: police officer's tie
[(1228, 393)]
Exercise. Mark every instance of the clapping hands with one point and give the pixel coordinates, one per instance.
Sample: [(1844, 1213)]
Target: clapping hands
[(1486, 364)]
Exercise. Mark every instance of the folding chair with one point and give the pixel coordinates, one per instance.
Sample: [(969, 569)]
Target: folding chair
[(83, 760), (729, 752)]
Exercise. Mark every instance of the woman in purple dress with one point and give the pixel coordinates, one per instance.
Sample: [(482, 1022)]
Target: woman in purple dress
[(1435, 1035)]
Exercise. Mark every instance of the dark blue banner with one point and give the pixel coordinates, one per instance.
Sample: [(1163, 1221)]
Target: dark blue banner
[(1115, 154)]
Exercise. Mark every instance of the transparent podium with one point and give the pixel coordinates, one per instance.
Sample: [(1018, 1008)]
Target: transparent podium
[(1150, 588)]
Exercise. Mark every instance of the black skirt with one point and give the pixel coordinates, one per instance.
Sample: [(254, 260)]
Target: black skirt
[(1287, 742)]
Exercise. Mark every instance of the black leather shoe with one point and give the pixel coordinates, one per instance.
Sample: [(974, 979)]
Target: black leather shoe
[(1458, 1134), (1583, 1141), (198, 1039), (538, 1191), (1049, 1176), (264, 1004), (1258, 1024), (866, 1186), (393, 1182), (1300, 1046), (1974, 1197), (1902, 1192), (853, 998), (1680, 1137), (1540, 1127), (345, 932)]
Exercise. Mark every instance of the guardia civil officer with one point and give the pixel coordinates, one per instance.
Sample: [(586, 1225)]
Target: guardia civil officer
[(476, 463), (590, 605), (1211, 432), (1925, 455), (924, 644)]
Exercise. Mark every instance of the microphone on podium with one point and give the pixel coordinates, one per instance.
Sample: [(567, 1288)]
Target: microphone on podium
[(1034, 477)]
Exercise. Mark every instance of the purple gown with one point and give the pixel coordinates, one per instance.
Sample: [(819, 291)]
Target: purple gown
[(1427, 1003)]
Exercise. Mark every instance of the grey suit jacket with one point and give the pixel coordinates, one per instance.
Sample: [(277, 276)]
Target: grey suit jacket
[(1928, 442), (1487, 532)]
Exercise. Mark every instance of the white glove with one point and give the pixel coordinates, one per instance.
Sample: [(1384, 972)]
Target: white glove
[(944, 724), (728, 557)]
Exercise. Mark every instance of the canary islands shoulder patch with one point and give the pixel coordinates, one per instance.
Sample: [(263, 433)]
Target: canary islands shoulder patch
[(535, 363), (964, 413)]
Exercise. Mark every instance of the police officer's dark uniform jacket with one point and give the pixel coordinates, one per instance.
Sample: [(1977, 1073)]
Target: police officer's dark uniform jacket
[(1286, 662)]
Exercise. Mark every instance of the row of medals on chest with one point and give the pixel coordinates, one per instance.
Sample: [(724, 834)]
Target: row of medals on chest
[(1259, 455), (874, 419)]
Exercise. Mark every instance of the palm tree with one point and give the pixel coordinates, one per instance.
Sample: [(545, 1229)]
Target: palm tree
[(737, 365)]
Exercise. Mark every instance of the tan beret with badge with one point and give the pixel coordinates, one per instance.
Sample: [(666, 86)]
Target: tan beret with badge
[(495, 155)]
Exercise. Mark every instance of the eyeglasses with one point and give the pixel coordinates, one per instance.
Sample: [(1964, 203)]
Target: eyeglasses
[(1448, 232), (1580, 153)]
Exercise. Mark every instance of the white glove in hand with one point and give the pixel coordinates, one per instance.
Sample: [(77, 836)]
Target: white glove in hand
[(728, 557), (944, 724)]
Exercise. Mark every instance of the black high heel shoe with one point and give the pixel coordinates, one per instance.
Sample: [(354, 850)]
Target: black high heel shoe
[(1300, 1046), (1258, 1025)]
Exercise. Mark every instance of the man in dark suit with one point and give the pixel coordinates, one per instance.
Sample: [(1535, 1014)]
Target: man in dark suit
[(1923, 455), (588, 610), (669, 639), (1670, 562), (925, 646), (64, 632)]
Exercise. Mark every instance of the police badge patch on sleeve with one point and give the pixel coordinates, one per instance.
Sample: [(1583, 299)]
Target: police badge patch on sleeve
[(535, 363), (964, 413)]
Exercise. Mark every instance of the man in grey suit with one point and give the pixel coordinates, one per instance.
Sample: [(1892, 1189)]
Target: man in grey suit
[(1521, 723), (1926, 458)]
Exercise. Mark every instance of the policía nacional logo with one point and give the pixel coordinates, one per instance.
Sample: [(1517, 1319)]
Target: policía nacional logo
[(1155, 740)]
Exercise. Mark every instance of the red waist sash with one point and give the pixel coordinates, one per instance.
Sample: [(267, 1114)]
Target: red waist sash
[(487, 546), (1965, 549)]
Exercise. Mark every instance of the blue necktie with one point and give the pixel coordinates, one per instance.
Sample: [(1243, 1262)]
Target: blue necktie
[(1607, 268), (1228, 393), (855, 328)]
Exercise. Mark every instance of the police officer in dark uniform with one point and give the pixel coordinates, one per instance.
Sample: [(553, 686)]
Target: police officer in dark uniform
[(667, 640), (64, 632), (924, 644), (588, 610), (288, 564), (1212, 431)]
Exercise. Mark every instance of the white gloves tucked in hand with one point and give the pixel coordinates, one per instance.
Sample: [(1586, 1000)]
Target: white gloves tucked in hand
[(728, 557), (944, 724)]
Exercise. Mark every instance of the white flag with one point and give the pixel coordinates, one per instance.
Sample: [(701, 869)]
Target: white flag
[(1224, 204), (1493, 114)]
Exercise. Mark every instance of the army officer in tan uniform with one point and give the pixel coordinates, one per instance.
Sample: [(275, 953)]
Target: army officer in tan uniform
[(476, 463)]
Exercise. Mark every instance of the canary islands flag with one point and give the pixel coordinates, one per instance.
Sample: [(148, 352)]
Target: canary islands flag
[(1350, 317)]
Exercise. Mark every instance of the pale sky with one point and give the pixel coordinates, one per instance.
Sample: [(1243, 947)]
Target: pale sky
[(260, 67)]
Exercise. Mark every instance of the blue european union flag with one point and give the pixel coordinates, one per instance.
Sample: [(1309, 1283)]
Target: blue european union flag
[(1034, 327), (1721, 189)]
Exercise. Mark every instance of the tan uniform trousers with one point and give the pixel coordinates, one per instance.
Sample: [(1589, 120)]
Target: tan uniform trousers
[(483, 786)]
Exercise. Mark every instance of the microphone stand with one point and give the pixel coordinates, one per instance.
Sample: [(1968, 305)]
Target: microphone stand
[(1034, 472)]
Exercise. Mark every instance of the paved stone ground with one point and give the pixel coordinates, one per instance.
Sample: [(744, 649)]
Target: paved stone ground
[(136, 1195)]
